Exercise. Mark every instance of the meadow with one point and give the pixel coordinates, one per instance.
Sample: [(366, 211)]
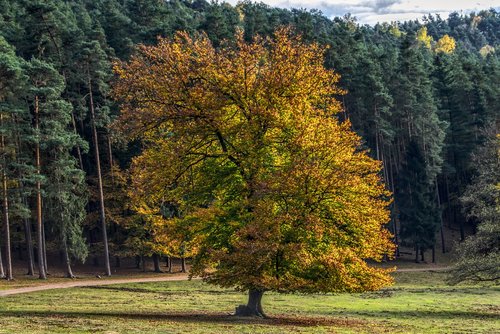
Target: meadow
[(419, 302)]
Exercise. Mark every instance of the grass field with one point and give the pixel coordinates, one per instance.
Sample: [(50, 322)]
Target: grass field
[(420, 302)]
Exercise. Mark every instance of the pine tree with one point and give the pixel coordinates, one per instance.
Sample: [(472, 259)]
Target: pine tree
[(12, 77), (96, 70), (60, 182), (418, 212), (66, 195), (479, 255)]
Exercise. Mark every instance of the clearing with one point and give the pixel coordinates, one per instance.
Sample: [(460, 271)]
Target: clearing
[(419, 302)]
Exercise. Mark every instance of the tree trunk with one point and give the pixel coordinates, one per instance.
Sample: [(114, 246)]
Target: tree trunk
[(99, 182), (183, 264), (44, 243), (39, 226), (416, 253), (156, 263), (5, 197), (422, 254), (143, 259), (170, 262), (110, 157), (449, 206), (438, 198), (117, 262), (254, 306), (29, 247), (137, 262), (67, 261), (2, 271), (78, 151), (433, 254)]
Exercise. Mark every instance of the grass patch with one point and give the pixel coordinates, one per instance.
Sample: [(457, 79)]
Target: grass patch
[(418, 303)]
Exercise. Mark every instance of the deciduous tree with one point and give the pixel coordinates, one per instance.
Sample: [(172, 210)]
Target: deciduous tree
[(246, 143)]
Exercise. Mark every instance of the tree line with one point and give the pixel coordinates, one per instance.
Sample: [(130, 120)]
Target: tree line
[(419, 93)]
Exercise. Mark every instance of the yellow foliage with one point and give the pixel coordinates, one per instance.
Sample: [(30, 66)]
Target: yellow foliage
[(270, 190), (445, 44), (424, 38), (394, 30), (486, 50)]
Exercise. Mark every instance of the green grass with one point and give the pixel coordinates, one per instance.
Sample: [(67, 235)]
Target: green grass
[(419, 303)]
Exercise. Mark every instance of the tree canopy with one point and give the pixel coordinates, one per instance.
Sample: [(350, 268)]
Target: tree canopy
[(245, 142)]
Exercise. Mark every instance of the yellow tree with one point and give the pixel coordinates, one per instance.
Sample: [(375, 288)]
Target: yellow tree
[(445, 44), (424, 38), (244, 142)]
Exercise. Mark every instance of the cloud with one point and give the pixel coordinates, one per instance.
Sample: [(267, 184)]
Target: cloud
[(373, 11)]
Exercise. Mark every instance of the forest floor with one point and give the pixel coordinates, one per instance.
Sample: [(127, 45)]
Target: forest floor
[(419, 302)]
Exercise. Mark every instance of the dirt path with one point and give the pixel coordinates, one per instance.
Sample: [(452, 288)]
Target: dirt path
[(82, 283), (409, 270), (75, 284)]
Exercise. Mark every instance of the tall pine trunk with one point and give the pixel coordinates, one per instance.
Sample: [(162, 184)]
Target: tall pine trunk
[(99, 181), (27, 224), (45, 263), (2, 271), (438, 198), (5, 200), (8, 253), (78, 151), (67, 261), (29, 247), (39, 224)]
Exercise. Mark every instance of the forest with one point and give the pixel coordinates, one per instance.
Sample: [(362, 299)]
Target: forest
[(84, 181)]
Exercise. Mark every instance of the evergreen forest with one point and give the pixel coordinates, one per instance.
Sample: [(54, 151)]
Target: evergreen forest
[(420, 98)]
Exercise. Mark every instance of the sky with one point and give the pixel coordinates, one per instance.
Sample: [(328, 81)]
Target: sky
[(373, 11)]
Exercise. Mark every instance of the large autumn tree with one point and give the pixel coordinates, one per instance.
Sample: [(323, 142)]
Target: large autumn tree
[(243, 141)]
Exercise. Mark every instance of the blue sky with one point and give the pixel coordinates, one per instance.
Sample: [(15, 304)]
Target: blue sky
[(373, 11)]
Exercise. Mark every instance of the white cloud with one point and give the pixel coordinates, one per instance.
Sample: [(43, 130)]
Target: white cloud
[(372, 11)]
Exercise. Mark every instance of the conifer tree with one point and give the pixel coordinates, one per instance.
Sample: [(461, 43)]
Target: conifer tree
[(418, 212), (57, 181), (96, 70), (12, 77), (479, 255)]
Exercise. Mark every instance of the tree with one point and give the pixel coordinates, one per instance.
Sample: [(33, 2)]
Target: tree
[(66, 195), (12, 76), (479, 254), (445, 44), (94, 66), (424, 38), (245, 142), (57, 180), (418, 214)]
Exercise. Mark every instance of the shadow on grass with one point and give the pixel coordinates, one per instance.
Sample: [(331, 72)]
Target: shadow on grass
[(336, 318), (421, 314), (158, 292), (212, 317)]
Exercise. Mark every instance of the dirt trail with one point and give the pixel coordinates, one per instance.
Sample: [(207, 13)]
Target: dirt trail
[(82, 283), (408, 270)]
